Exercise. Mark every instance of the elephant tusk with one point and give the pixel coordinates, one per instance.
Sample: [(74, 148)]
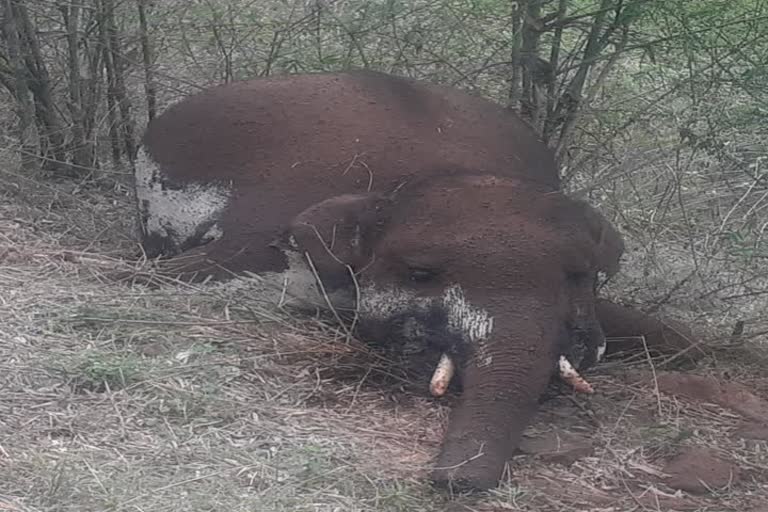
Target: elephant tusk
[(442, 376), (569, 374)]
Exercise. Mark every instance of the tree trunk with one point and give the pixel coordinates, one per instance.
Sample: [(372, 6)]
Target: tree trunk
[(529, 53), (19, 88), (91, 86), (516, 64), (572, 98), (554, 59), (112, 119), (118, 68), (81, 152), (146, 50), (50, 128)]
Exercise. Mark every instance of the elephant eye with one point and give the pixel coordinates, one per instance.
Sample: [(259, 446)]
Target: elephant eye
[(422, 275), (577, 276)]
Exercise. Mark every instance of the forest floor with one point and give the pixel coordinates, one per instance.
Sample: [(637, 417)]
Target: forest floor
[(123, 397)]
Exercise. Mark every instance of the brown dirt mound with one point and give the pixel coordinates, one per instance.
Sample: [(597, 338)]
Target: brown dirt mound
[(730, 395), (700, 470)]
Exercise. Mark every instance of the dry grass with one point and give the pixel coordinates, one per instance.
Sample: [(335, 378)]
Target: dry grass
[(125, 398)]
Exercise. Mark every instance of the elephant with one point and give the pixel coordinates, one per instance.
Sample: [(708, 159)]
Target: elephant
[(417, 211)]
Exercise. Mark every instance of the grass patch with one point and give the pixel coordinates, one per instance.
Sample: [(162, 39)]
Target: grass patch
[(102, 372)]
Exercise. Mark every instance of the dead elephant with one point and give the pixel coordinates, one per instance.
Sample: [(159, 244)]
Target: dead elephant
[(433, 214)]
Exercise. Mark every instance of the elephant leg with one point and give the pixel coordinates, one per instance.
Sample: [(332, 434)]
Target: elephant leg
[(625, 327)]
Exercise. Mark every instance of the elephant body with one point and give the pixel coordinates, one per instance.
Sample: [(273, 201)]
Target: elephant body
[(245, 158), (422, 212)]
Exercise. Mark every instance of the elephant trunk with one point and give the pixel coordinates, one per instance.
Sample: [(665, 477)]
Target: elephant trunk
[(500, 397)]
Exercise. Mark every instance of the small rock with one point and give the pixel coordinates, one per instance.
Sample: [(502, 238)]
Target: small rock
[(697, 470), (557, 446)]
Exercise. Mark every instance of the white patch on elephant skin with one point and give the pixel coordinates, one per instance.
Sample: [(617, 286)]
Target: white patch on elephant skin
[(297, 281), (297, 285), (601, 350), (473, 324), (214, 233), (177, 214), (380, 304)]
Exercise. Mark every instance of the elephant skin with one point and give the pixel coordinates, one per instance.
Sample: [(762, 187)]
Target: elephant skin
[(426, 214), (625, 327)]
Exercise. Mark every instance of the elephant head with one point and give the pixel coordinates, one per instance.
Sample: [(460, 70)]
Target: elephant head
[(494, 273)]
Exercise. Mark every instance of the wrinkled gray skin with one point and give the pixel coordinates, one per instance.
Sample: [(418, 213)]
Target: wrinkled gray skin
[(435, 216)]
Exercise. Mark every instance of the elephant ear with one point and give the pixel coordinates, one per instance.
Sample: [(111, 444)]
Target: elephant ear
[(337, 234), (608, 243)]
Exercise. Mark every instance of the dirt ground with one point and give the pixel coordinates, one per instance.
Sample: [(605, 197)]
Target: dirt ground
[(123, 397)]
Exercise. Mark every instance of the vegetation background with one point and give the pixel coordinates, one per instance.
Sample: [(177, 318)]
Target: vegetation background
[(203, 398)]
